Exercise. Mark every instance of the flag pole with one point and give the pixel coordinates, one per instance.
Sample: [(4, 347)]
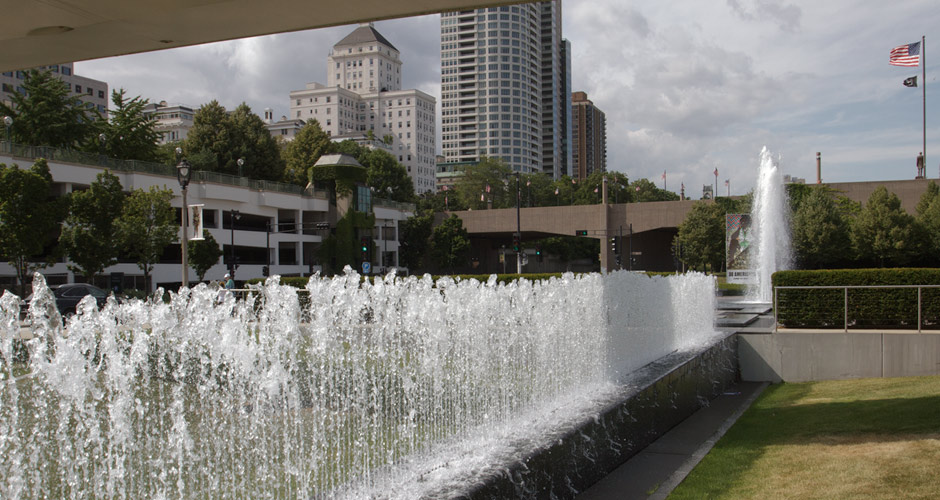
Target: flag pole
[(923, 89)]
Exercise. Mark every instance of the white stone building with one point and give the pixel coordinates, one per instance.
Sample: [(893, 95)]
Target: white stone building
[(275, 224), (363, 95), (173, 120), (93, 93)]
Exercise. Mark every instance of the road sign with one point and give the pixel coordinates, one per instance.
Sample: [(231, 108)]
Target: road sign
[(366, 267)]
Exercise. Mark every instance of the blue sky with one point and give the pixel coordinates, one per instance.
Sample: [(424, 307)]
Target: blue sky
[(687, 86)]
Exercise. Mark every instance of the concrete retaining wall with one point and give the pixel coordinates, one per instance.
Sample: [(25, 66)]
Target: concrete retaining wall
[(659, 396), (804, 357)]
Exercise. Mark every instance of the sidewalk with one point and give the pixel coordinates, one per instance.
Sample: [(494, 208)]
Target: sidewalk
[(657, 470)]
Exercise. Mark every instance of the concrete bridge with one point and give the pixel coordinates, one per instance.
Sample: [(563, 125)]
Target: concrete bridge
[(654, 225)]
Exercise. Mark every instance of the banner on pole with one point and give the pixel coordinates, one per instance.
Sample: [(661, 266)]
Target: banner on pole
[(737, 249), (195, 215)]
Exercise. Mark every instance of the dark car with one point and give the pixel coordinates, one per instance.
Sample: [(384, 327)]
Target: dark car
[(68, 296)]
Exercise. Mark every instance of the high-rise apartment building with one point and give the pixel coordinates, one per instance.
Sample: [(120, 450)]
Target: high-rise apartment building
[(504, 86), (93, 93), (589, 145), (363, 96)]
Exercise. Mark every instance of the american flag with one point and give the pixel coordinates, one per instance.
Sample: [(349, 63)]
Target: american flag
[(664, 175), (487, 188), (595, 190), (556, 191), (905, 55), (716, 171), (727, 182)]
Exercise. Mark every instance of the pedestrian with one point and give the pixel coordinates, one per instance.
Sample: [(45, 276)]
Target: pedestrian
[(921, 168), (229, 282)]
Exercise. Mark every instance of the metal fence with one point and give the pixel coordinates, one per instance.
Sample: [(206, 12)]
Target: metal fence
[(858, 308)]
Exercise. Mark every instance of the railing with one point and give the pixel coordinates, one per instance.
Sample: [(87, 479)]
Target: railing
[(149, 167), (877, 307)]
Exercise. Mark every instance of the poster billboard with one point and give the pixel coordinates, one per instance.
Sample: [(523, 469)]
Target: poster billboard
[(738, 249)]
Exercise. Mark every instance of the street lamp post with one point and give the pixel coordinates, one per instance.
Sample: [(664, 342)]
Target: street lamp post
[(183, 171), (8, 122), (241, 163), (235, 216), (518, 227)]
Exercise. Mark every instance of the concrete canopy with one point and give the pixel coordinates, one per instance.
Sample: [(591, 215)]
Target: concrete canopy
[(44, 32)]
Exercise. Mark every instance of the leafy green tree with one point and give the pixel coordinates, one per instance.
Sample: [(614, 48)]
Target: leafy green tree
[(928, 216), (300, 154), (415, 240), (884, 234), (252, 142), (489, 172), (47, 115), (450, 243), (389, 178), (90, 236), (645, 190), (208, 144), (128, 133), (203, 254), (218, 139), (28, 217), (537, 190), (146, 226), (342, 248), (820, 231), (702, 236)]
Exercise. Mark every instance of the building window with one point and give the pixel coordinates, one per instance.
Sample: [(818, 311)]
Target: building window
[(78, 89)]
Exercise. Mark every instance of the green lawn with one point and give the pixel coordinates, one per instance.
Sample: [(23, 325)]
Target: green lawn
[(870, 438)]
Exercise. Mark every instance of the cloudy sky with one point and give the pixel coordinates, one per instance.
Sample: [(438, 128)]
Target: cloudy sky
[(687, 86)]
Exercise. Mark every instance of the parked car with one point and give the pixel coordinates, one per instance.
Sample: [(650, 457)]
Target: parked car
[(68, 296)]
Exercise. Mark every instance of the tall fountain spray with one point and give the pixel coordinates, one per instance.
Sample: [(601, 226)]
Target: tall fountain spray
[(770, 227), (401, 388)]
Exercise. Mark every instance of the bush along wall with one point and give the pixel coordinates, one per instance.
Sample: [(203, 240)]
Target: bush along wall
[(868, 308)]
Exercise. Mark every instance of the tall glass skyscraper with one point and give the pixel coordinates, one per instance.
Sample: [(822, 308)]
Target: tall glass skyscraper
[(504, 90)]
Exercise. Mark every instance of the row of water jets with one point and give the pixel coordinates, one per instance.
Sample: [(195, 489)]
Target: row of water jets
[(342, 389)]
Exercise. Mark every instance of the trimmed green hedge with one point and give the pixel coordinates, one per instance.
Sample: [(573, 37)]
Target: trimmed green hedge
[(888, 308)]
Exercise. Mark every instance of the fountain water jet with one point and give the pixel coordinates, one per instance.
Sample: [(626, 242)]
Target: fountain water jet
[(404, 388), (770, 228)]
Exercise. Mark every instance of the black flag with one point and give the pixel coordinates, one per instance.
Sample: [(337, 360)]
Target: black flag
[(910, 82)]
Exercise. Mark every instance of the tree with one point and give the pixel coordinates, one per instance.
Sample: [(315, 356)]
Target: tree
[(203, 254), (489, 173), (90, 235), (129, 134), (884, 234), (821, 235), (450, 243), (218, 139), (208, 143), (415, 239), (251, 141), (28, 217), (388, 177), (47, 115), (702, 236), (308, 145), (645, 190), (146, 226), (928, 216)]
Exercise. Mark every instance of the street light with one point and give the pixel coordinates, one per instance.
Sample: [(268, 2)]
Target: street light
[(183, 171), (241, 163), (101, 140), (8, 121), (235, 216)]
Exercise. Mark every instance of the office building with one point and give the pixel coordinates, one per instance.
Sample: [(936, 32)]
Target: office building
[(504, 86), (363, 98), (173, 120), (589, 145)]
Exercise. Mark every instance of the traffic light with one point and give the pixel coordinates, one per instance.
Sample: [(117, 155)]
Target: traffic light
[(364, 244), (265, 271), (538, 252), (516, 244), (613, 245)]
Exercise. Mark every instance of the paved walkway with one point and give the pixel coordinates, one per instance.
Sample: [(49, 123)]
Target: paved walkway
[(658, 469)]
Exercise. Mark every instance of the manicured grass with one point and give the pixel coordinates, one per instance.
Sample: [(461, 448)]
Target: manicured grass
[(869, 438)]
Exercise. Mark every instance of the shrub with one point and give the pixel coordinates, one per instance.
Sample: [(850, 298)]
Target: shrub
[(883, 308)]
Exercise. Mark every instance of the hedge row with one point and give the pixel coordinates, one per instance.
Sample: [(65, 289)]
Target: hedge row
[(868, 308)]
